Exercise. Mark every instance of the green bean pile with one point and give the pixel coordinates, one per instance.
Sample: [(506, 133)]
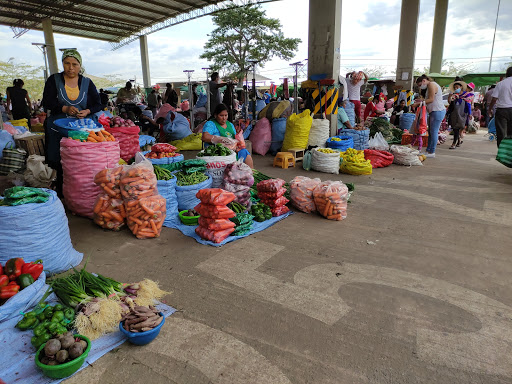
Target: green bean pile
[(190, 179)]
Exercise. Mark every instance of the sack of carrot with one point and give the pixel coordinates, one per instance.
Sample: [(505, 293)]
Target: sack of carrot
[(109, 181), (109, 213), (301, 193), (138, 181), (146, 216), (145, 209), (213, 223), (331, 199), (100, 136)]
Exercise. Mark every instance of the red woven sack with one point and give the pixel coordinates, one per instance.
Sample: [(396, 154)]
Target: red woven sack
[(215, 236), (215, 224), (128, 138), (378, 159)]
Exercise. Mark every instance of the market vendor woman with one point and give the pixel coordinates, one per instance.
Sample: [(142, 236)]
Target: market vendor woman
[(220, 130), (67, 94)]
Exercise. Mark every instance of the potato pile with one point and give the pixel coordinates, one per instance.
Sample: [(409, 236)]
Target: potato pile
[(62, 349)]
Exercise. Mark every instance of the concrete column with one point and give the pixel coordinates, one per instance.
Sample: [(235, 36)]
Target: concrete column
[(50, 46), (407, 43), (436, 53), (324, 42), (144, 57)]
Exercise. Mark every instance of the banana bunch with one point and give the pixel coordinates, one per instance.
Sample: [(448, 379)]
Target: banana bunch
[(326, 150)]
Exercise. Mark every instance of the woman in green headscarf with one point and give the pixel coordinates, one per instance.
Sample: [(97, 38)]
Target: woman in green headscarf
[(67, 94)]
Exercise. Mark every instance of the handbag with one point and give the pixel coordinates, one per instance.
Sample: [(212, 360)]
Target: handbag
[(504, 155), (420, 122)]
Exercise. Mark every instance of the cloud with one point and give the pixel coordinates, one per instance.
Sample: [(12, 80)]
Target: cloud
[(380, 14), (481, 15)]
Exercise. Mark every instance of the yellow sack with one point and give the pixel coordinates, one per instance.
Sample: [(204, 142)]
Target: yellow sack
[(356, 168), (19, 123), (297, 131), (263, 112), (192, 142)]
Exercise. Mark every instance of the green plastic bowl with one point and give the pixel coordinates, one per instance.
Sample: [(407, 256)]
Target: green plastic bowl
[(63, 370), (188, 220)]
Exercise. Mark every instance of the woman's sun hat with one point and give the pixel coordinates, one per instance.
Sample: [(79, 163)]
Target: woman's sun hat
[(471, 85), (462, 83)]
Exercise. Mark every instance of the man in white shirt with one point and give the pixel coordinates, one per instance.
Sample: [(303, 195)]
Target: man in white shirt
[(502, 97), (354, 82)]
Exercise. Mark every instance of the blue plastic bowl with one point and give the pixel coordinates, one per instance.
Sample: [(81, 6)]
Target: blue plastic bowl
[(142, 338)]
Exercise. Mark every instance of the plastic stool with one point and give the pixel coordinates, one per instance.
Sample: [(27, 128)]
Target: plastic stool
[(284, 160)]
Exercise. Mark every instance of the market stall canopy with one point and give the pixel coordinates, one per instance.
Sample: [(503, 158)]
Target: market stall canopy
[(480, 79), (484, 79), (117, 21)]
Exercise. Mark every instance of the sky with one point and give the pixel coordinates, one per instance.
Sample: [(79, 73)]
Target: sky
[(369, 38)]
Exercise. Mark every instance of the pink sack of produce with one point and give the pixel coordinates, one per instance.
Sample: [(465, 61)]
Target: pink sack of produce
[(81, 161), (261, 137), (127, 133)]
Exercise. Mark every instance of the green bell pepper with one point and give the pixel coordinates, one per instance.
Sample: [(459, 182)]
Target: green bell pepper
[(57, 317), (69, 313), (31, 314), (48, 313), (41, 316), (28, 322), (52, 328), (25, 280), (58, 307), (39, 329), (37, 341), (60, 329)]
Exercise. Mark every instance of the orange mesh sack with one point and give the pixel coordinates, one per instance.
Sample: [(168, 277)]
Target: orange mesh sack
[(331, 199)]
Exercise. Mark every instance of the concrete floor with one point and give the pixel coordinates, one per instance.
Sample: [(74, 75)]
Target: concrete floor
[(413, 287)]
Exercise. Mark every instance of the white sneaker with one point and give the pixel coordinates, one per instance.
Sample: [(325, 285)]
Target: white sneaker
[(431, 155)]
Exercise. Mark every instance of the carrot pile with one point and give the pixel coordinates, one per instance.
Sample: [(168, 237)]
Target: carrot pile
[(100, 136), (109, 211), (301, 193), (146, 216), (331, 199), (145, 209)]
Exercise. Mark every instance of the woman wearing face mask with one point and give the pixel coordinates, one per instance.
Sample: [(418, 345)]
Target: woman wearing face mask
[(458, 111), (435, 109)]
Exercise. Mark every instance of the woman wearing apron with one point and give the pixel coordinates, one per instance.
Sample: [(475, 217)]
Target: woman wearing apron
[(67, 94)]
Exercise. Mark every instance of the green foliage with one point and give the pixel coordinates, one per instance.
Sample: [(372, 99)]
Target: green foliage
[(245, 33), (32, 77)]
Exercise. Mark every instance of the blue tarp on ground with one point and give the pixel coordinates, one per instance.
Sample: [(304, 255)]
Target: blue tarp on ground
[(17, 357), (190, 230)]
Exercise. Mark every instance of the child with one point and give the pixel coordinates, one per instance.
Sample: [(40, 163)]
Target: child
[(419, 127), (458, 112)]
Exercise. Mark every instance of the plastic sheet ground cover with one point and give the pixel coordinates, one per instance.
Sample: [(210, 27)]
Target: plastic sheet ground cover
[(17, 359), (190, 230)]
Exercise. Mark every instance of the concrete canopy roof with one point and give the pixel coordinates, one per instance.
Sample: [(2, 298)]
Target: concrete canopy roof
[(117, 21)]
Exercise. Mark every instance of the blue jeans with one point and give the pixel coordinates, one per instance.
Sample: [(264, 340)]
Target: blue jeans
[(434, 119)]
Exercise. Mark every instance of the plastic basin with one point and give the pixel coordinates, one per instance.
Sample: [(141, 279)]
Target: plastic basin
[(63, 370), (188, 220), (142, 338)]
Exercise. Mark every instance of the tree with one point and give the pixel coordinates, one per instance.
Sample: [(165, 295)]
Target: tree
[(32, 77), (245, 33), (375, 72)]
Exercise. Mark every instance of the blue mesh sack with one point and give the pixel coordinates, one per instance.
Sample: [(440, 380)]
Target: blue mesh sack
[(278, 131), (345, 143), (165, 160), (38, 231), (187, 194), (167, 189), (360, 138), (406, 120)]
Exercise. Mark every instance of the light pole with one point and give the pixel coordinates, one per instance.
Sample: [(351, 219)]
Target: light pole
[(253, 62), (207, 91), (190, 98), (42, 47), (494, 36), (295, 85)]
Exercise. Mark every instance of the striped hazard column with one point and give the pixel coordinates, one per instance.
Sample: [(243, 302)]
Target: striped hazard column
[(329, 101)]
